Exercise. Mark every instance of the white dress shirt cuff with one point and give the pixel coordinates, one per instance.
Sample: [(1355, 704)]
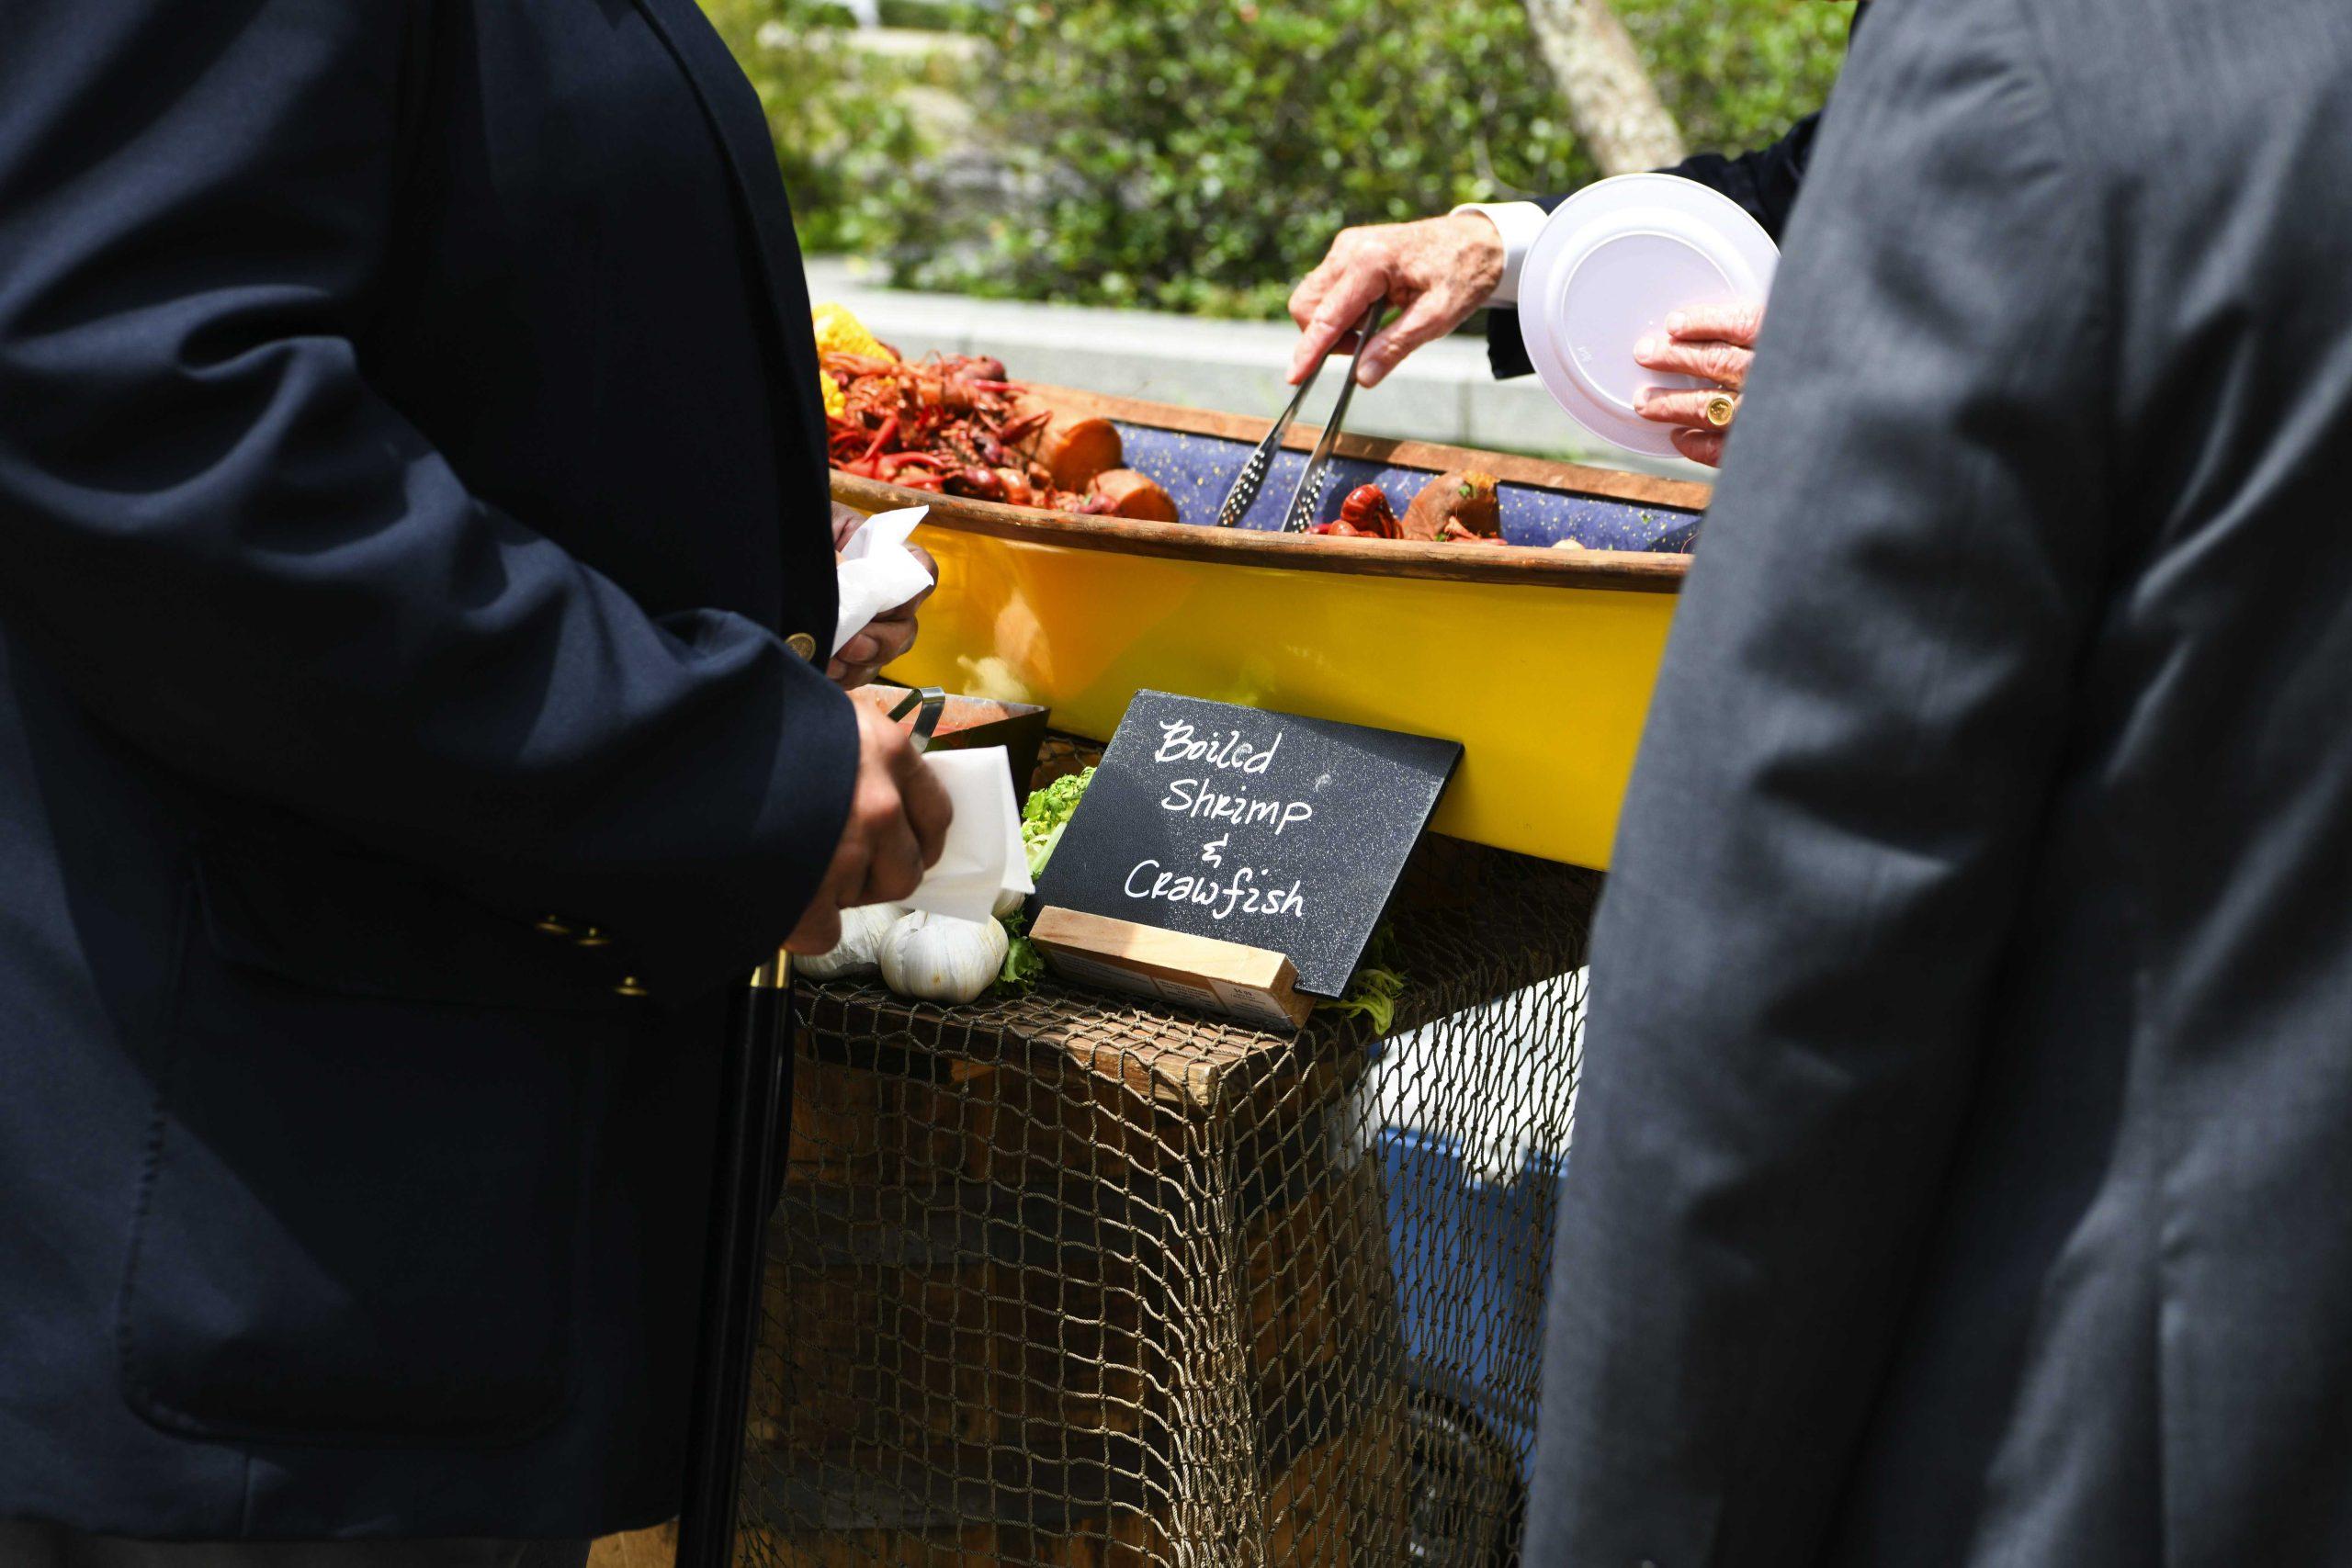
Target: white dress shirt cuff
[(1519, 222)]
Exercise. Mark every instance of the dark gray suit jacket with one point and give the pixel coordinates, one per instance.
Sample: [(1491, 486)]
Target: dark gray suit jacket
[(1965, 1171)]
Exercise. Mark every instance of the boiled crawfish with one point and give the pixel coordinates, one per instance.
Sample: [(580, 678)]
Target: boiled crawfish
[(1364, 514), (949, 423)]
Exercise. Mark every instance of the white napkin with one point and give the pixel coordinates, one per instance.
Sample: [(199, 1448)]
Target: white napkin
[(983, 857), (877, 573)]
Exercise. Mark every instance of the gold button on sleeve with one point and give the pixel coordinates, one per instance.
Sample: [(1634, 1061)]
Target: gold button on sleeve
[(802, 645)]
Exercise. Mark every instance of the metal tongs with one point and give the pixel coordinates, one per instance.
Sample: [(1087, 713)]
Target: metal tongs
[(1308, 498)]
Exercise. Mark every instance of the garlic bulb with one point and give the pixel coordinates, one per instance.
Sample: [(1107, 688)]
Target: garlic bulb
[(859, 953), (936, 958), (1008, 904)]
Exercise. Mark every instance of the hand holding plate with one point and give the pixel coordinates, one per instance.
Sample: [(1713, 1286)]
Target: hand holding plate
[(1714, 343)]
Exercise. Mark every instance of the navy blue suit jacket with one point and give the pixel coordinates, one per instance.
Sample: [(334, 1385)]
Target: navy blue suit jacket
[(411, 469)]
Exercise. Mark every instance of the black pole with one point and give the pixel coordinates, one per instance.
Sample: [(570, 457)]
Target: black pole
[(753, 1071)]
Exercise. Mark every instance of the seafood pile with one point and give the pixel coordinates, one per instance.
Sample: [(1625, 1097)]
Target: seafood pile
[(953, 424), (1460, 505)]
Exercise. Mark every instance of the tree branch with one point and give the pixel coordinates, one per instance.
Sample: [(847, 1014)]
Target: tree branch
[(1612, 101)]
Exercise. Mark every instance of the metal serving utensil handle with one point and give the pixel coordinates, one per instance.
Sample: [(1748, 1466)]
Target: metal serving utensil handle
[(1308, 498), (931, 703)]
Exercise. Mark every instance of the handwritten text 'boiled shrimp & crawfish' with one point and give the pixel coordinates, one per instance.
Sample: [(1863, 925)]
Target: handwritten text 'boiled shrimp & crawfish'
[(1246, 890)]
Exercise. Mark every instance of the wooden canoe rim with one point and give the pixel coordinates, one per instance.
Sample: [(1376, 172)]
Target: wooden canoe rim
[(1640, 571)]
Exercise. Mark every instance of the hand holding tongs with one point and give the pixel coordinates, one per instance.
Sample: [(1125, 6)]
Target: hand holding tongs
[(1308, 497)]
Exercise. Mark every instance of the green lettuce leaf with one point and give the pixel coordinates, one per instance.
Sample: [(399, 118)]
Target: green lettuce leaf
[(1048, 813)]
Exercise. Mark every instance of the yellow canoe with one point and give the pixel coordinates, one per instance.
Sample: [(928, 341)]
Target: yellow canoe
[(1539, 661)]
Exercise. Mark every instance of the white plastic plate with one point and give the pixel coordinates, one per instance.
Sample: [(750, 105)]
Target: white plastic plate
[(1615, 261)]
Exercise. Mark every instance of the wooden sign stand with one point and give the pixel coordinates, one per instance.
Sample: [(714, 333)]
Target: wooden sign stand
[(1250, 984)]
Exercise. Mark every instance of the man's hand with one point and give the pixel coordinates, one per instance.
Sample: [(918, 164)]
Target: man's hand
[(887, 637), (1437, 272), (1715, 343), (898, 823)]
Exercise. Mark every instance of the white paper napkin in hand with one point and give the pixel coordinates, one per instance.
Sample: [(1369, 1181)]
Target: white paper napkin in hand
[(877, 572), (983, 856)]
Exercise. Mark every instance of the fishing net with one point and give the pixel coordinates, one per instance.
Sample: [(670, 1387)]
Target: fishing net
[(1068, 1281)]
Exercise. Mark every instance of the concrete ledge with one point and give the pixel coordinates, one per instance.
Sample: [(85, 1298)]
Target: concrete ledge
[(1445, 393)]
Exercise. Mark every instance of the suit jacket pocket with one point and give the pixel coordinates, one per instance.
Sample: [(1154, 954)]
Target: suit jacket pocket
[(362, 1212)]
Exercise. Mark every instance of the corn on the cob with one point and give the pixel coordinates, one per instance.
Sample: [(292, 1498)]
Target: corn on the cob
[(839, 331)]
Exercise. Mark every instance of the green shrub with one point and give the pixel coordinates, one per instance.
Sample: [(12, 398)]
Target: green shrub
[(1738, 72), (939, 14), (1199, 154), (844, 134)]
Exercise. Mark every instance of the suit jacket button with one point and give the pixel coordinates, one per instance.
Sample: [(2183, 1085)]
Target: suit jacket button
[(630, 987), (553, 925), (592, 936), (802, 645)]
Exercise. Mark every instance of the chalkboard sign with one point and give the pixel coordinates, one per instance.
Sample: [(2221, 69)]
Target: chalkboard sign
[(1261, 829)]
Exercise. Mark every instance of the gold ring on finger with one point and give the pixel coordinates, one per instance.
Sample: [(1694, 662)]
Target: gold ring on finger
[(1722, 409)]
